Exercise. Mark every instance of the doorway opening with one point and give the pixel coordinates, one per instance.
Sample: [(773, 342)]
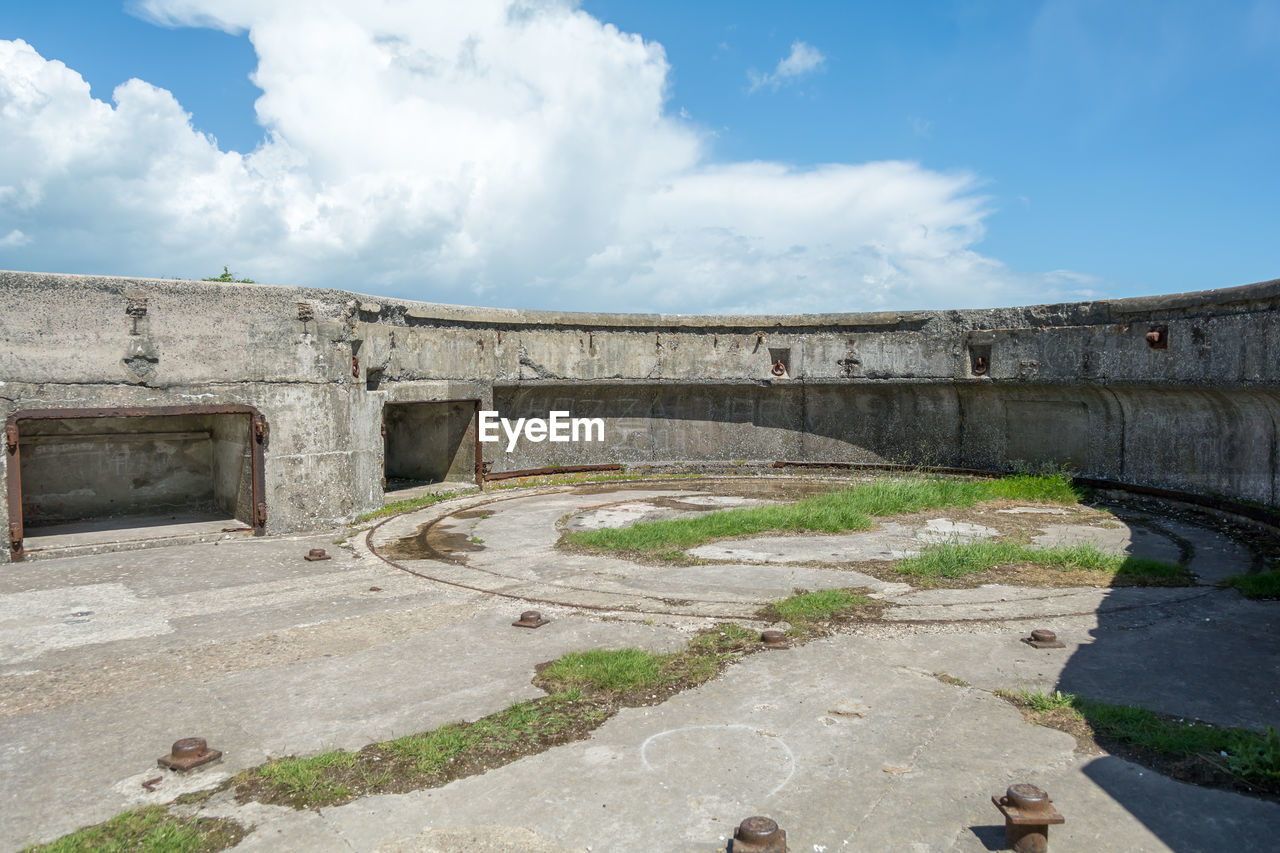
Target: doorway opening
[(429, 443), (84, 477)]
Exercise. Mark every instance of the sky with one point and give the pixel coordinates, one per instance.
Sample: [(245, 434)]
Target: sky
[(722, 156)]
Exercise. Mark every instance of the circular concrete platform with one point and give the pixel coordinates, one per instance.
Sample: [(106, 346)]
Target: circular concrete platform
[(508, 544)]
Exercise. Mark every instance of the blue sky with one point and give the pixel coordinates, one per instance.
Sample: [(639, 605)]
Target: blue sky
[(807, 156)]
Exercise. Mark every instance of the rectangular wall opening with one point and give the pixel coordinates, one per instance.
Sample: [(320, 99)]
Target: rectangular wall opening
[(428, 443), (96, 479)]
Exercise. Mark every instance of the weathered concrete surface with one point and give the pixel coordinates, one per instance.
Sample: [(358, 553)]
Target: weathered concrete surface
[(106, 659), (506, 543), (1069, 384), (890, 541), (912, 767), (247, 645)]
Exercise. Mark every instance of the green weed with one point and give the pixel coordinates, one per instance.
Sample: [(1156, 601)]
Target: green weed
[(1251, 756), (151, 829), (839, 511), (954, 560), (1263, 585)]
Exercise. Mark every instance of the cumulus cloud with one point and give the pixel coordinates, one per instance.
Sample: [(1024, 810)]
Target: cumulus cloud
[(493, 152), (803, 59)]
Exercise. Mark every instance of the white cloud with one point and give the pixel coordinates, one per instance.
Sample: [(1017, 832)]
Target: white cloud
[(803, 59), (14, 239), (489, 153), (921, 126)]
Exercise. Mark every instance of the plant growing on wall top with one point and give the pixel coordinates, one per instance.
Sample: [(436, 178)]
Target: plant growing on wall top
[(229, 276)]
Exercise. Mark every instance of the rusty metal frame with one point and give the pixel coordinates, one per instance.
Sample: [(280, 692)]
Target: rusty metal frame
[(259, 434), (555, 469), (475, 441)]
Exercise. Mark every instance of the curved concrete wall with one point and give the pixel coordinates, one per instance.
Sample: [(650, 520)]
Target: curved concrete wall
[(1074, 384)]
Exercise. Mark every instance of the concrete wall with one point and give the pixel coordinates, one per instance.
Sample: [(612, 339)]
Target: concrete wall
[(1077, 384), (232, 486)]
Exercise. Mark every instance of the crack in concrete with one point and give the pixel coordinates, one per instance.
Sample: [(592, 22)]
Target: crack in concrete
[(895, 781)]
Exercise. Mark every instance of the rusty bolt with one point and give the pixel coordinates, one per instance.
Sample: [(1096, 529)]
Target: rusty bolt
[(759, 835), (187, 753), (530, 619), (775, 640), (1043, 638), (316, 554), (11, 437), (1028, 813)]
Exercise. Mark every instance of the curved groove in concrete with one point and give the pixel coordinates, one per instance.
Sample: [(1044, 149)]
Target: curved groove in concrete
[(555, 593)]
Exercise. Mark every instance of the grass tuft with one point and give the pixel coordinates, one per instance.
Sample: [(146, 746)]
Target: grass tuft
[(405, 505), (613, 670), (151, 829), (954, 560), (1264, 585), (1251, 756), (309, 778), (834, 512), (585, 689), (821, 605)]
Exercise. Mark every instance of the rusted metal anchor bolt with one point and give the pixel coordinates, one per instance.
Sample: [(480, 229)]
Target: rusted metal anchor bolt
[(188, 753), (979, 366), (1028, 812), (530, 619), (316, 554), (759, 835), (775, 640), (1043, 638), (779, 369)]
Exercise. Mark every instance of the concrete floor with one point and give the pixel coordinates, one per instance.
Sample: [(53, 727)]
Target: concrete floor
[(106, 659), (127, 533)]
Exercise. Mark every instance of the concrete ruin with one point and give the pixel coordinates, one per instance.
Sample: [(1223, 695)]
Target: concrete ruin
[(281, 409)]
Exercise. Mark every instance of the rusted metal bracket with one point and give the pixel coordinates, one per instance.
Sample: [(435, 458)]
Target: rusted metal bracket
[(15, 539), (11, 438), (261, 431), (774, 640), (1028, 813), (188, 753), (1043, 638), (260, 514), (759, 835), (530, 619)]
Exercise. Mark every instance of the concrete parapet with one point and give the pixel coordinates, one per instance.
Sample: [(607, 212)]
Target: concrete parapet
[(1179, 392)]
